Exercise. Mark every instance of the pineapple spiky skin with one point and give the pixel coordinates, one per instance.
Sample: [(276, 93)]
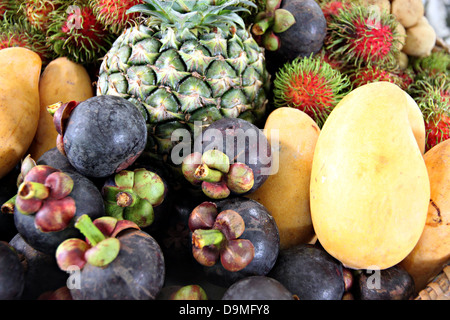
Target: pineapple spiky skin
[(179, 76)]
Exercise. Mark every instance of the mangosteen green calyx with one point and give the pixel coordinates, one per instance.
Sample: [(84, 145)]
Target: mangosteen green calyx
[(98, 250), (47, 203), (230, 157), (260, 229), (217, 177), (45, 192), (216, 236), (117, 261), (132, 195), (268, 23), (101, 135)]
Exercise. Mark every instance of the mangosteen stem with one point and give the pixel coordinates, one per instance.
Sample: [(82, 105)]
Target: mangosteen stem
[(8, 206), (89, 230), (125, 199), (53, 107), (260, 27), (208, 237), (205, 173), (33, 190)]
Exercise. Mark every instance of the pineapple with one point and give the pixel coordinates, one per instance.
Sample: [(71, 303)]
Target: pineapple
[(187, 62)]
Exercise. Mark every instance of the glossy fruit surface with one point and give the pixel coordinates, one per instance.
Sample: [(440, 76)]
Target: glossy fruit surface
[(257, 288), (310, 273), (104, 134)]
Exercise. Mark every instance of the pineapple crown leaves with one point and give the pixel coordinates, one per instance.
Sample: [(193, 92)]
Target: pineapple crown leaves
[(192, 14)]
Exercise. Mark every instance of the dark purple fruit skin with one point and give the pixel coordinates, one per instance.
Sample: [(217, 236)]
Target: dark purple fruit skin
[(253, 152), (261, 230), (395, 284), (257, 288), (304, 37), (104, 134), (140, 261), (8, 188), (88, 200), (12, 273), (54, 158), (42, 274), (310, 273)]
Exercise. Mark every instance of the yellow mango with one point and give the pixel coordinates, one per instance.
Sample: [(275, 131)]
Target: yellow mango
[(19, 104), (62, 81), (432, 251), (369, 188), (286, 191)]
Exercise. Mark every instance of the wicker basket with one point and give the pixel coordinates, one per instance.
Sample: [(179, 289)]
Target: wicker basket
[(439, 288)]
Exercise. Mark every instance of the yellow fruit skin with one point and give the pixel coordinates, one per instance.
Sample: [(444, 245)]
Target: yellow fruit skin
[(62, 81), (286, 191), (19, 104), (433, 249), (369, 183), (417, 122)]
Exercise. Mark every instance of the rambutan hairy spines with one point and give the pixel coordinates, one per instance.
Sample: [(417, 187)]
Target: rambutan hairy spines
[(78, 35), (311, 85), (435, 63), (373, 73), (432, 95), (363, 36), (332, 7), (38, 12), (113, 14), (18, 33)]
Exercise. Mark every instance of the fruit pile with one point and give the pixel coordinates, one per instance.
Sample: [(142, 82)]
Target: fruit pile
[(222, 150)]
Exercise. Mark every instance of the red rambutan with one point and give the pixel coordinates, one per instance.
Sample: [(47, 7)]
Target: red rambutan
[(78, 35), (113, 13), (432, 95), (8, 8), (361, 36), (18, 33), (38, 12), (332, 7), (311, 85), (372, 73)]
